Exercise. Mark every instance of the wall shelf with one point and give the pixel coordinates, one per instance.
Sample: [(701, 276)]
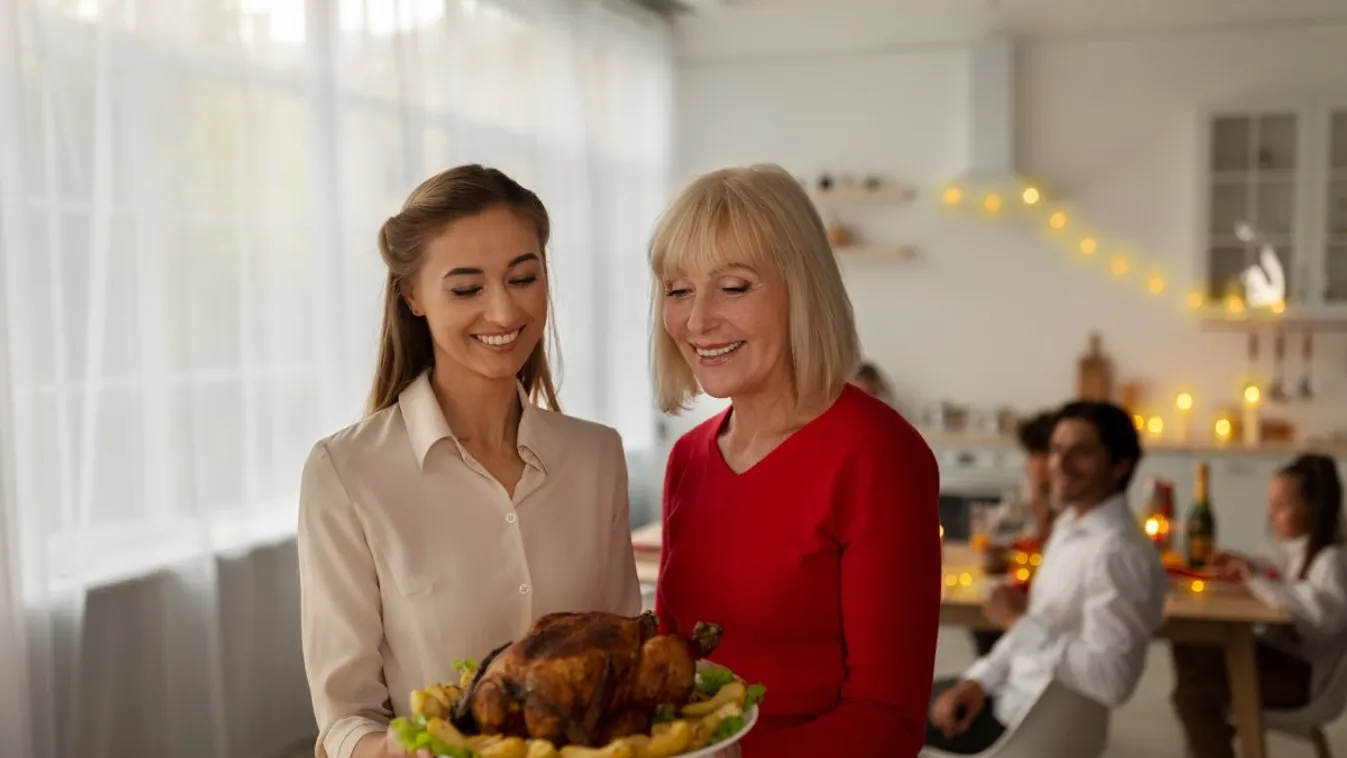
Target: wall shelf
[(874, 253), (1303, 318), (884, 194)]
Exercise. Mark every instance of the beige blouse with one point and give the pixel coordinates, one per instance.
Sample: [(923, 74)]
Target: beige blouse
[(411, 555)]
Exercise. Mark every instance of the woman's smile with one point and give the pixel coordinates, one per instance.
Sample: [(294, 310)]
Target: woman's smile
[(499, 342), (716, 355)]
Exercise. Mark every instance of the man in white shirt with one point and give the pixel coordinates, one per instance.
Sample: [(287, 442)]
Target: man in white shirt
[(1095, 602)]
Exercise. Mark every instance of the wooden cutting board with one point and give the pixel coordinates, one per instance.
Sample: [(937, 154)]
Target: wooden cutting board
[(1094, 377)]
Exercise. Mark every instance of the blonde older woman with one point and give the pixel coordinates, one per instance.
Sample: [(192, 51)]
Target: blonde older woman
[(804, 518)]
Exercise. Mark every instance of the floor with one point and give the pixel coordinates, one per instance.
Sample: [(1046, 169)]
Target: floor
[(1145, 726)]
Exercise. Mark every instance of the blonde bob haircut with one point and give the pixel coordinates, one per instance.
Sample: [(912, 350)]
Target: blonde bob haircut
[(760, 217)]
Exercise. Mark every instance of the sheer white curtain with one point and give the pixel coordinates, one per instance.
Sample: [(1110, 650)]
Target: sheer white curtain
[(189, 287)]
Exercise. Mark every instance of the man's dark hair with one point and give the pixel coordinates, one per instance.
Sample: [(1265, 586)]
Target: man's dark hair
[(1116, 431), (1035, 433)]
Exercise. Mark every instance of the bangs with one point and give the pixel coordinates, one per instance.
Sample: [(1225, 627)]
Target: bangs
[(712, 227)]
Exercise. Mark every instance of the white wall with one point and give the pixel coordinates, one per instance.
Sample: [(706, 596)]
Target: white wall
[(997, 314)]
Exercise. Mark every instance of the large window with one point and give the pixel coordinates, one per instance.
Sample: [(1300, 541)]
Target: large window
[(191, 283)]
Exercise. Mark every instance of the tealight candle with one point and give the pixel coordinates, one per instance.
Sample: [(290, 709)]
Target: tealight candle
[(1184, 403), (1222, 429), (1252, 423)]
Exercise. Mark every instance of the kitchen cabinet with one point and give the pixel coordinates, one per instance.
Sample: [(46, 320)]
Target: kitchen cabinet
[(1280, 168)]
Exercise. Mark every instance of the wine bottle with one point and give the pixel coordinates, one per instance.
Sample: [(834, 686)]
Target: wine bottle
[(1200, 531)]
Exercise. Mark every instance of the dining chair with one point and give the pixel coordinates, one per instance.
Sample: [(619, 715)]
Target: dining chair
[(1061, 723), (1308, 722)]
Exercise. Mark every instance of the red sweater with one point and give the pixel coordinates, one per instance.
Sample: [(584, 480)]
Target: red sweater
[(822, 562)]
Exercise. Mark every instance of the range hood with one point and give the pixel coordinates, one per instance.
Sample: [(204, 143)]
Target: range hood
[(991, 113)]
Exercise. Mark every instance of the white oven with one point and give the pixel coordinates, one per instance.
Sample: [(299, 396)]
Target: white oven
[(973, 471)]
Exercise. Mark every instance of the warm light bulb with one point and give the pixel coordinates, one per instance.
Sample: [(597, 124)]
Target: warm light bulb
[(1199, 585), (1155, 425), (1155, 285), (951, 580), (1031, 195), (1036, 559), (1234, 304), (1195, 299), (1223, 428), (1057, 220), (1119, 266), (1278, 306), (1184, 401), (966, 579), (1152, 526), (1251, 394), (953, 196), (992, 203), (1088, 245), (1022, 575), (1138, 421)]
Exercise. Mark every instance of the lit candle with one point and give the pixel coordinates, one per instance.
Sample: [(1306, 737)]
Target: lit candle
[(1251, 421), (1155, 426), (1222, 430), (1184, 402)]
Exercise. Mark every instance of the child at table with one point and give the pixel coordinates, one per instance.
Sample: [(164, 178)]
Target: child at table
[(1303, 574)]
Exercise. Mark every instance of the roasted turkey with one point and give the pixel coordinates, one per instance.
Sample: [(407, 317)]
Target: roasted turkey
[(583, 678)]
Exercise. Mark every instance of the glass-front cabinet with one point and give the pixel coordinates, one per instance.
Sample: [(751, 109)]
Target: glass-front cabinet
[(1275, 177), (1335, 210)]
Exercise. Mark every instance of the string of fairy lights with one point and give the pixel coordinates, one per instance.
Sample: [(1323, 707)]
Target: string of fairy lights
[(993, 203)]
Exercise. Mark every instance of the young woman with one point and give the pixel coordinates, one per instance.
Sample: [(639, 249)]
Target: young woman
[(458, 510), (805, 517), (1304, 574)]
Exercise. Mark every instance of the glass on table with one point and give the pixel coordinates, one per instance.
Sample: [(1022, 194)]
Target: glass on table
[(987, 544), (980, 525)]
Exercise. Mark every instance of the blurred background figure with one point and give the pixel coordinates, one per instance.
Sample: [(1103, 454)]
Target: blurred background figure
[(872, 381), (1026, 512)]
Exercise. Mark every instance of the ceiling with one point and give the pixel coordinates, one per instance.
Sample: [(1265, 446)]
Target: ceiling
[(938, 19)]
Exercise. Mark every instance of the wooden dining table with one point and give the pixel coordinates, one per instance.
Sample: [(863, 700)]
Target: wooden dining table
[(1216, 614)]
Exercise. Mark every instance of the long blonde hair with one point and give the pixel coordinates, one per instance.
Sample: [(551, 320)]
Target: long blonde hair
[(759, 216), (405, 347)]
